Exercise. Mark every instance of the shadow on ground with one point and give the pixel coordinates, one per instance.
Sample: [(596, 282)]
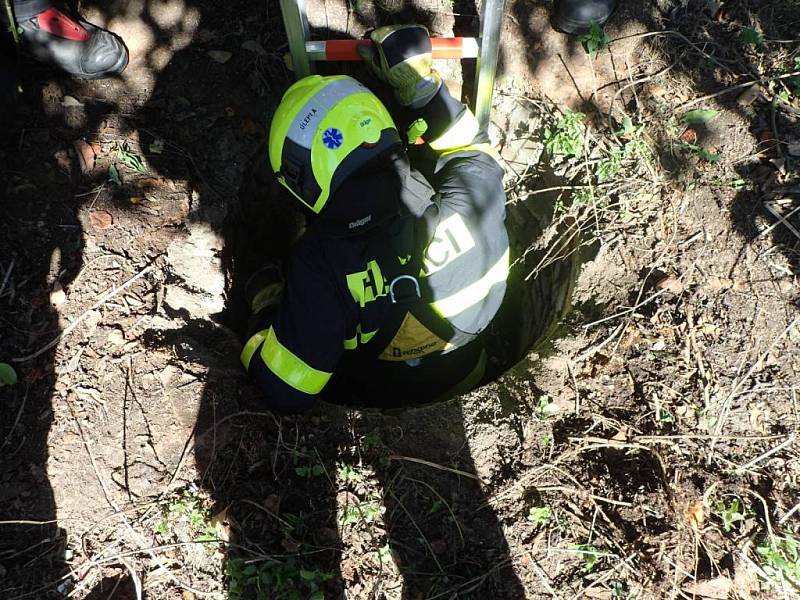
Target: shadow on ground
[(207, 115)]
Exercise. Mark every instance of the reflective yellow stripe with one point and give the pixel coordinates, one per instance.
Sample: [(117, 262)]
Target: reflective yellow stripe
[(475, 292), (483, 147), (290, 369), (460, 133), (359, 337), (251, 346)]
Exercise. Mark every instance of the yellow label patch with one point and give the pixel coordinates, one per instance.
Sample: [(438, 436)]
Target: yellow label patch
[(450, 240), (413, 340), (368, 285)]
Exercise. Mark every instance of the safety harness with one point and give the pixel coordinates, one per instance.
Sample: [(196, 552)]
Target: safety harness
[(412, 328)]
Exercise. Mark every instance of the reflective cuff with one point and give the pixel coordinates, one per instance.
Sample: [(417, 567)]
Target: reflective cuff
[(460, 133), (482, 147), (289, 368), (359, 338), (475, 292), (251, 346)]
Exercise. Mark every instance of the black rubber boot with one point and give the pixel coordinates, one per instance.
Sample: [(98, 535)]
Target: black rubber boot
[(576, 16), (60, 36)]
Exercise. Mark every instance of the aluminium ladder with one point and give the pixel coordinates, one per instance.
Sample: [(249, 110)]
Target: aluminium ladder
[(304, 51)]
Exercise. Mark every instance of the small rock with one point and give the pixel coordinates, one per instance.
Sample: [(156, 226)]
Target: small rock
[(70, 101), (220, 56), (65, 587), (747, 97), (57, 296), (116, 338)]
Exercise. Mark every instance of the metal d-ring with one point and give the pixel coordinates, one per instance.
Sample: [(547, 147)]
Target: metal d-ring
[(398, 278)]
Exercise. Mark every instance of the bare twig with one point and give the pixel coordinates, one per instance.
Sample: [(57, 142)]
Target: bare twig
[(428, 463), (768, 453), (6, 277), (67, 330), (782, 219), (740, 382), (733, 88)]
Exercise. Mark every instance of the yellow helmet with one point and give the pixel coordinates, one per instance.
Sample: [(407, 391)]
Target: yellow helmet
[(324, 129)]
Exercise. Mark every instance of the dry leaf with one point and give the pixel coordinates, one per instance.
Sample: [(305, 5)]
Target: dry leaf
[(101, 219), (718, 588), (695, 515), (745, 580), (220, 56), (689, 136), (87, 155), (716, 284), (740, 286), (671, 285), (222, 524)]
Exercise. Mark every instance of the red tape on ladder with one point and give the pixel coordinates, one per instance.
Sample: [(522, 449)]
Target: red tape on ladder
[(346, 50)]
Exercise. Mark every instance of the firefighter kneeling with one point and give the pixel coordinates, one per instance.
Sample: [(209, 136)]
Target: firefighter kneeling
[(390, 289)]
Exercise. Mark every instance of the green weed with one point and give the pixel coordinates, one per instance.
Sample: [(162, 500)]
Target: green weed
[(590, 554), (274, 579), (113, 175), (567, 137), (128, 158), (610, 166), (363, 512), (619, 590), (539, 515), (310, 471), (663, 416), (730, 513), (711, 157), (751, 37), (309, 468), (781, 560), (349, 474), (594, 40), (699, 116), (187, 510), (8, 376), (546, 407)]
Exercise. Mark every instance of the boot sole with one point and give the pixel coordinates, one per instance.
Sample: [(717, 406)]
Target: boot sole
[(572, 27)]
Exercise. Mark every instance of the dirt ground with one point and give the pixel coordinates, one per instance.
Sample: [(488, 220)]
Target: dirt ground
[(647, 450)]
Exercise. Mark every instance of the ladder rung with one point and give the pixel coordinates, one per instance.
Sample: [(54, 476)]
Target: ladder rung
[(346, 50)]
